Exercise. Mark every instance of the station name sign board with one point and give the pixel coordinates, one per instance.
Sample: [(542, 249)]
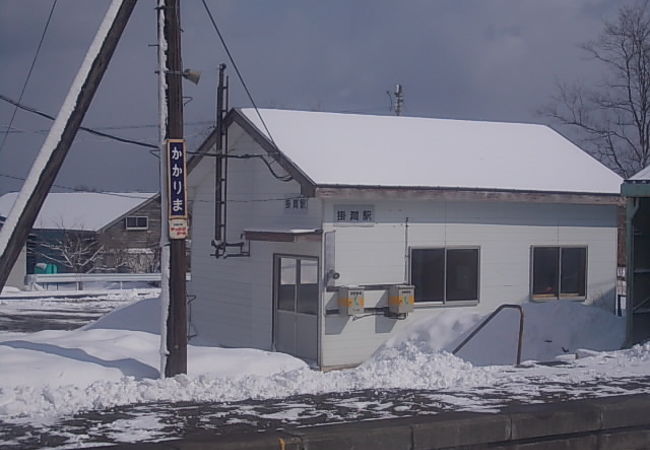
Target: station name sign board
[(177, 189)]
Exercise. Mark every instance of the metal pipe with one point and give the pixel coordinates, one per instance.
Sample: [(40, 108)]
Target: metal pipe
[(485, 322), (219, 170)]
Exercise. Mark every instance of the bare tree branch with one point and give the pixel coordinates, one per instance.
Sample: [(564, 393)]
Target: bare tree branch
[(612, 121), (76, 250)]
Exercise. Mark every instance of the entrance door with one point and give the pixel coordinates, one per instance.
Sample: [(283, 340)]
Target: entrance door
[(296, 306)]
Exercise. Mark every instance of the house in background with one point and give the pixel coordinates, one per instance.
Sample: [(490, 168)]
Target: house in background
[(17, 275), (340, 229), (91, 231)]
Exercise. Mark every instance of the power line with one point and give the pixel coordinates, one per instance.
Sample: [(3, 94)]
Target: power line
[(119, 127), (29, 73), (17, 104), (153, 148), (117, 194), (239, 75)]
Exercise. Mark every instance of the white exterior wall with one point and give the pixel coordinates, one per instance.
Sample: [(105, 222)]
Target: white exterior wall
[(504, 232), (234, 298)]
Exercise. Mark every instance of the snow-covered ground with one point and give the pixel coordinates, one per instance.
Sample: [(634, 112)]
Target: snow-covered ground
[(113, 361)]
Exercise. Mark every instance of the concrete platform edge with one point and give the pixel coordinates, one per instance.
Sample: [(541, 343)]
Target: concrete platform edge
[(598, 423)]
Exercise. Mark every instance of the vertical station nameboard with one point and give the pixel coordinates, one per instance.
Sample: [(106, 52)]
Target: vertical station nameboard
[(177, 189)]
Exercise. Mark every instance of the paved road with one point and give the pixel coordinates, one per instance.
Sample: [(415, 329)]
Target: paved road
[(32, 315)]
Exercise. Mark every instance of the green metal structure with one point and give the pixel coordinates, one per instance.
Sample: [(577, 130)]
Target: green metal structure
[(636, 190)]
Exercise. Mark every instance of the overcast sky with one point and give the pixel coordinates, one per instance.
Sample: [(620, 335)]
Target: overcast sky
[(469, 59)]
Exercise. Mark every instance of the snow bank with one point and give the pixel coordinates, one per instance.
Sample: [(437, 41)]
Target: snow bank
[(114, 361), (141, 316), (6, 290), (550, 329)]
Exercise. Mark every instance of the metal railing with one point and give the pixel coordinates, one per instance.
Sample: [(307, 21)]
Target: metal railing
[(490, 317), (78, 279)]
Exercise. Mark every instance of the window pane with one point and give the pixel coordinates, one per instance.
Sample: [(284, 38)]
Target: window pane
[(428, 274), (308, 288), (462, 274), (574, 263), (545, 271), (287, 284), (142, 222)]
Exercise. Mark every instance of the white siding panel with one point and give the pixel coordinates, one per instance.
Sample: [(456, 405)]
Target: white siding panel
[(505, 234), (233, 304)]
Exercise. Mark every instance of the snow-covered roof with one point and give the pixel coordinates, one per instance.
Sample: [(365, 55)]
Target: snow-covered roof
[(89, 211), (642, 175), (390, 151)]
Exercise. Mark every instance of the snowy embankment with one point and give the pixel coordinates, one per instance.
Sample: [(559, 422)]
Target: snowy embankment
[(114, 361)]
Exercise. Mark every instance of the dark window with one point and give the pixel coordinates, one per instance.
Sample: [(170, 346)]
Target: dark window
[(559, 272), (340, 215), (428, 274), (367, 215), (545, 271), (462, 274), (445, 275), (137, 223), (573, 280), (354, 216)]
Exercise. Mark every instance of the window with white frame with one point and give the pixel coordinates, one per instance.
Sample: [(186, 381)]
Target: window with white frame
[(354, 214), (445, 275), (559, 272), (137, 222)]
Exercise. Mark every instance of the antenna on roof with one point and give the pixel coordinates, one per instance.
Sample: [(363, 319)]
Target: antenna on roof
[(399, 99)]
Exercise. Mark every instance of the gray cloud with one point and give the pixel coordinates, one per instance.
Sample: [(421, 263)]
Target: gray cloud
[(473, 59)]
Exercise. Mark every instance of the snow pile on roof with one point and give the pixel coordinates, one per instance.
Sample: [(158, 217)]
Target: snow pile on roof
[(364, 150), (89, 211), (50, 373)]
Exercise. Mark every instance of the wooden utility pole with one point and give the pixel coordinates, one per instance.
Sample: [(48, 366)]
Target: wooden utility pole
[(64, 129), (176, 333)]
